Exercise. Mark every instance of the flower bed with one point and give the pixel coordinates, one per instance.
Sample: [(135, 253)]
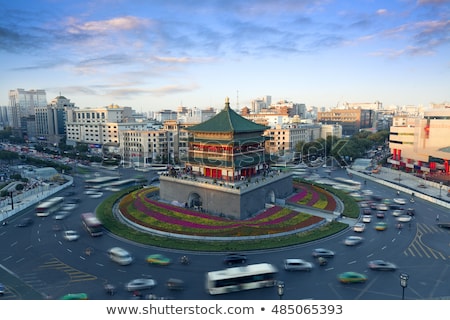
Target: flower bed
[(139, 208), (313, 196)]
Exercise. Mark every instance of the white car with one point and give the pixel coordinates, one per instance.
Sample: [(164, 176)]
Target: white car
[(404, 218), (71, 235), (359, 227), (68, 206), (397, 213), (400, 200), (353, 240), (382, 207), (367, 218), (60, 215), (96, 195), (120, 256)]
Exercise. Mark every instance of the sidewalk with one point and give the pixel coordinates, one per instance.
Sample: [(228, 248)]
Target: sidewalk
[(29, 198), (409, 184)]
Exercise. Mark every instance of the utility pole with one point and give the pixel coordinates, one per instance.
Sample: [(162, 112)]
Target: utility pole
[(12, 200)]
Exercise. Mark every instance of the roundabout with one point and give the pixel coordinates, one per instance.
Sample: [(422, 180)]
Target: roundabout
[(137, 215)]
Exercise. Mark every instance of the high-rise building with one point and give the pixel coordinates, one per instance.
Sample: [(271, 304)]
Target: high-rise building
[(51, 120), (22, 104)]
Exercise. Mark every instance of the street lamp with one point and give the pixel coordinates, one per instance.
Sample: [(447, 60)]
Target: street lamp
[(403, 283), (440, 189), (280, 288), (399, 175)]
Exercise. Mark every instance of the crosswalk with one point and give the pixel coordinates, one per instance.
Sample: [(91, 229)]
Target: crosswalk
[(420, 249)]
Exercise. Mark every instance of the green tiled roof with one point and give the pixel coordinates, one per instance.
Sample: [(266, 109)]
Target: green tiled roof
[(227, 120)]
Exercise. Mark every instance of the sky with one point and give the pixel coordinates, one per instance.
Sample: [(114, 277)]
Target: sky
[(161, 54)]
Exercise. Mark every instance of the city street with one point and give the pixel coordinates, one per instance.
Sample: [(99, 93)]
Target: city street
[(53, 267)]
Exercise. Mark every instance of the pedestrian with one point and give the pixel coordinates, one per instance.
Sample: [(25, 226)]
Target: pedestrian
[(437, 218)]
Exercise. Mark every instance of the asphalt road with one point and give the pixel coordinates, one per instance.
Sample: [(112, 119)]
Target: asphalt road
[(47, 265)]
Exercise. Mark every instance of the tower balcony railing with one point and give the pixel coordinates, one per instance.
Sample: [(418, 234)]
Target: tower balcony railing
[(241, 183)]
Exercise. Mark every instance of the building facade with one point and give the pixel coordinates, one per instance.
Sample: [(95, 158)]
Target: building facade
[(51, 120), (351, 120), (283, 140), (22, 104), (420, 144), (96, 127)]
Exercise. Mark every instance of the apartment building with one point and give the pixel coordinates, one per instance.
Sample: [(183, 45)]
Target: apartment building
[(351, 120), (282, 140), (96, 126)]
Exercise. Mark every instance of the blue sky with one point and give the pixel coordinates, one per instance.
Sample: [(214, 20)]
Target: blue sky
[(153, 55)]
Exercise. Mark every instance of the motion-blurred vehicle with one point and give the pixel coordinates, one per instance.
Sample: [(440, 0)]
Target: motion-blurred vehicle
[(175, 284), (404, 218), (322, 252), (381, 226), (68, 206), (359, 227), (353, 240), (2, 289), (25, 222), (71, 235), (398, 212), (382, 265), (185, 260), (382, 207), (158, 259), (235, 258), (120, 256), (352, 277), (322, 261), (400, 200), (297, 265), (75, 296), (60, 215), (380, 214), (140, 284), (366, 218)]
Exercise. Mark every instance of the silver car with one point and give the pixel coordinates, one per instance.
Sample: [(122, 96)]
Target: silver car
[(297, 265), (382, 265), (322, 252), (140, 284), (353, 240)]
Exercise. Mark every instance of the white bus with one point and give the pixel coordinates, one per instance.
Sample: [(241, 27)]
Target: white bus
[(46, 208), (347, 184), (91, 223), (234, 279)]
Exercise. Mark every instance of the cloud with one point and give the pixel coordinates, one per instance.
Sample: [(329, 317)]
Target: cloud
[(422, 2), (418, 38), (116, 24)]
